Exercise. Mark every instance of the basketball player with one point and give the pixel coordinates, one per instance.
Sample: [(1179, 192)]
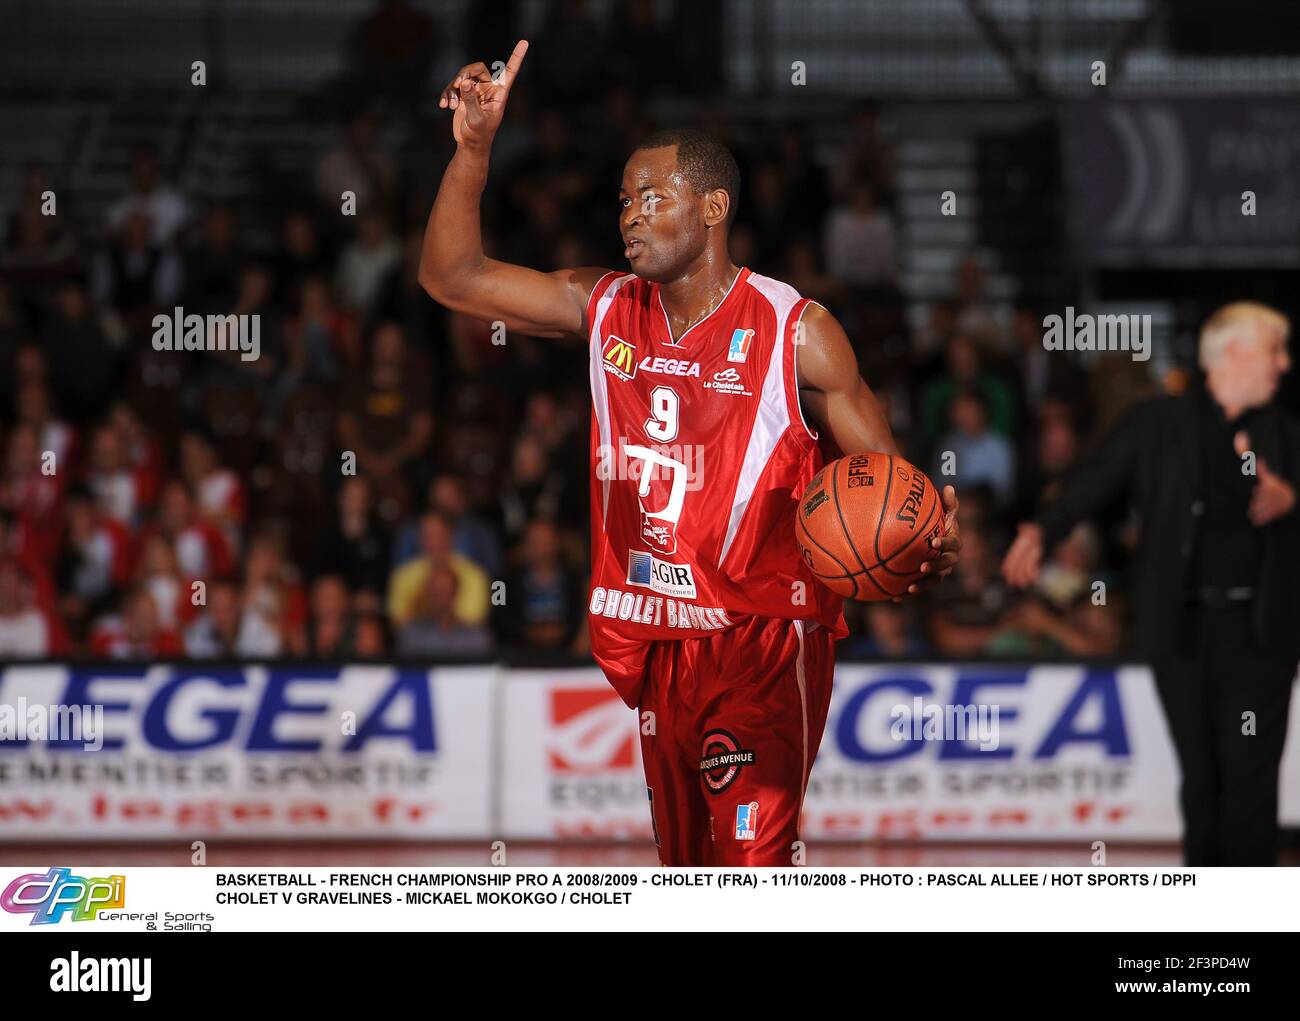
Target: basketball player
[(712, 387)]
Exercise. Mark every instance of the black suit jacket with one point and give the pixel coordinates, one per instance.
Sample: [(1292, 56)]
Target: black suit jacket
[(1151, 458)]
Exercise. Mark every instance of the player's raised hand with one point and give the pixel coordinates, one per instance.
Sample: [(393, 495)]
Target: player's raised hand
[(1020, 565), (478, 101)]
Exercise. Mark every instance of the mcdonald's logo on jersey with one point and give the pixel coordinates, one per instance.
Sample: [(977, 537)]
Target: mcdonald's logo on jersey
[(739, 349), (620, 357)]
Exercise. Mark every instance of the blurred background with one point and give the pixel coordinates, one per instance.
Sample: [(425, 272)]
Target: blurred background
[(849, 121)]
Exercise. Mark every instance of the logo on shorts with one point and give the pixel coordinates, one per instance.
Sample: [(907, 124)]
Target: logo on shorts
[(747, 821), (723, 759)]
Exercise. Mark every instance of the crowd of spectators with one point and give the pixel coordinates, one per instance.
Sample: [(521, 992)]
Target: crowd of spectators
[(385, 480)]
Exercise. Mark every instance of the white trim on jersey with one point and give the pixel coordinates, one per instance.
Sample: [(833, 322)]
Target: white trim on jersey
[(599, 393), (794, 363), (773, 409), (664, 312)]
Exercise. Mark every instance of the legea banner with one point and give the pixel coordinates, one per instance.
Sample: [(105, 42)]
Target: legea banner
[(1047, 753), (956, 752), (303, 753), (911, 752)]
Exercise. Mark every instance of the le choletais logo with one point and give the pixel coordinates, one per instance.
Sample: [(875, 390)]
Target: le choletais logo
[(50, 896)]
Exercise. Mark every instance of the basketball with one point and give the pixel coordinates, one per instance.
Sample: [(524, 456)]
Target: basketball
[(865, 525)]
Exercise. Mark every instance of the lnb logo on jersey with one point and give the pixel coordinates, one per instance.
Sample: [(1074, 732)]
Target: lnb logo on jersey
[(739, 349), (620, 357), (47, 898), (747, 821), (662, 576)]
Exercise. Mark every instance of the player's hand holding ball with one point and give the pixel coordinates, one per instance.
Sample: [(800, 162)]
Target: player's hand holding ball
[(872, 526), (479, 102)]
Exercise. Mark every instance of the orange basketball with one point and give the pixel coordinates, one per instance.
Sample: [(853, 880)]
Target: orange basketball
[(865, 523)]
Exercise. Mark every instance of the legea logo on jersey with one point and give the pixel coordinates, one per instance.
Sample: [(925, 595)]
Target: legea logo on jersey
[(620, 357), (670, 366), (739, 349), (747, 821), (47, 898), (660, 576)]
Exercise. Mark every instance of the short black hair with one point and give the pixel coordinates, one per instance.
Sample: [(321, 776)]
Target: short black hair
[(703, 160)]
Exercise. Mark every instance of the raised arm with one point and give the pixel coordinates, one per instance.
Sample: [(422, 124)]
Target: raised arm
[(835, 397), (453, 268), (1100, 477)]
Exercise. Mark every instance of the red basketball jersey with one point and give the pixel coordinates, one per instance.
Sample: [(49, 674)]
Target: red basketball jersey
[(699, 456)]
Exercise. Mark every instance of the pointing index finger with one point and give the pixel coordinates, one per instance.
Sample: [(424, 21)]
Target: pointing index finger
[(513, 64)]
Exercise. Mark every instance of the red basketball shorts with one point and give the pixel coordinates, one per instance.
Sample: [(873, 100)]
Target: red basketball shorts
[(735, 722)]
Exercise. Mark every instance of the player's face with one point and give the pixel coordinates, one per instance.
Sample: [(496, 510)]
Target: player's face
[(660, 216)]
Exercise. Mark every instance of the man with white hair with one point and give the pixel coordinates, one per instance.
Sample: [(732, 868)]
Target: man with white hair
[(1213, 476)]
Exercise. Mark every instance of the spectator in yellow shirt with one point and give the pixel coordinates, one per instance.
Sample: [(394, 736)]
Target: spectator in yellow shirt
[(409, 583)]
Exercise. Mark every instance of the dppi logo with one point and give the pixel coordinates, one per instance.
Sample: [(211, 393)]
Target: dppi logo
[(1091, 716), (47, 898)]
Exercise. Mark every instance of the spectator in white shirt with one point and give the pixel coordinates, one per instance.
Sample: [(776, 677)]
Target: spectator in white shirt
[(860, 241), (166, 208), (227, 629), (24, 630), (366, 261)]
